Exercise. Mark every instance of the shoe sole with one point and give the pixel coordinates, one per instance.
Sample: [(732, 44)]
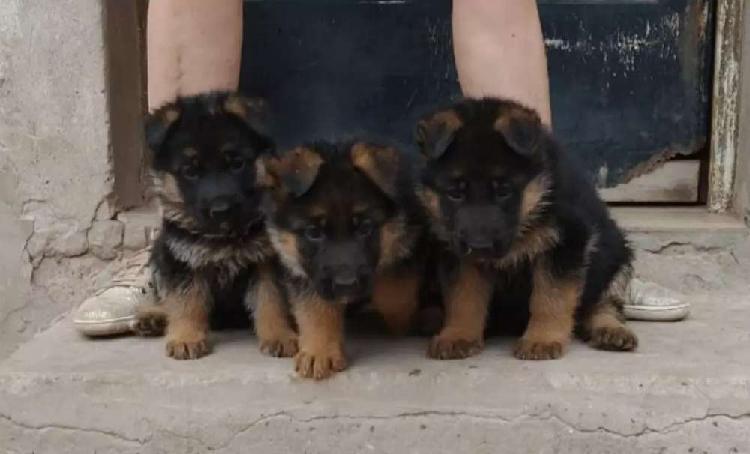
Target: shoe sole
[(98, 328), (657, 313)]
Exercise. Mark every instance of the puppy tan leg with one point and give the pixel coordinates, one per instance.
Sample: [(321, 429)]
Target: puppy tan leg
[(552, 306), (321, 337), (466, 301), (604, 326), (396, 298), (271, 318), (605, 329), (187, 327)]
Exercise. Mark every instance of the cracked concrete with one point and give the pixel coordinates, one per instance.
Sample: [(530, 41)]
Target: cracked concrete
[(54, 155), (687, 389)]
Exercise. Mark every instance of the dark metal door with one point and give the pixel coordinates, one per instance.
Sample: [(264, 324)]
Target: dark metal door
[(630, 79)]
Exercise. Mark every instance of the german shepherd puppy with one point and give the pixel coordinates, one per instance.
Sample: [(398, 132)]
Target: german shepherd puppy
[(340, 219), (522, 226), (209, 257)]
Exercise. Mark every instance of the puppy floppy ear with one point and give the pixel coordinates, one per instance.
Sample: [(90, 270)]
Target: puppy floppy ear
[(158, 126), (295, 171), (436, 133), (252, 112), (522, 130), (379, 164)]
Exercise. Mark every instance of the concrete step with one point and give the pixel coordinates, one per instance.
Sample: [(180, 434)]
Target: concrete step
[(687, 389)]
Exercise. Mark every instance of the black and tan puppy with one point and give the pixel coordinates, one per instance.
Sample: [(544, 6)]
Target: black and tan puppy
[(209, 259), (521, 228), (340, 220)]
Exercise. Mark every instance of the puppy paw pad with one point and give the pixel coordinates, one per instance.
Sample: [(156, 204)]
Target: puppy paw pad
[(614, 338), (538, 350), (442, 347)]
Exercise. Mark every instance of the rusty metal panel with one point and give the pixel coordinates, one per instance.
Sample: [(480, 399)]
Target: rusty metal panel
[(630, 79)]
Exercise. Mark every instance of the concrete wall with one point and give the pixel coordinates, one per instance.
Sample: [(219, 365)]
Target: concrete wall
[(54, 158)]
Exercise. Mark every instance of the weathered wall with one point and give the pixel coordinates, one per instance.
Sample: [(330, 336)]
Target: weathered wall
[(742, 178), (54, 158)]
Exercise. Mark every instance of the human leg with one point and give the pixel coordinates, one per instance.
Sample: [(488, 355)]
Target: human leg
[(499, 51)]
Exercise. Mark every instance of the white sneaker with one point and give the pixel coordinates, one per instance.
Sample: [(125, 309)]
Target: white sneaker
[(112, 310), (652, 302)]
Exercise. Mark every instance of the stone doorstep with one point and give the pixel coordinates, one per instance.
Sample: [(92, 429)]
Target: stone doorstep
[(688, 386)]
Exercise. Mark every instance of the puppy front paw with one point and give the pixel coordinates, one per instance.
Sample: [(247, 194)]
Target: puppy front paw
[(448, 346), (190, 348), (533, 349), (283, 346), (320, 363), (615, 338)]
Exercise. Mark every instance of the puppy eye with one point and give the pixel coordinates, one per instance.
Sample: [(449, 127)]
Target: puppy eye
[(501, 190), (190, 173), (457, 191), (237, 164), (365, 227), (313, 232)]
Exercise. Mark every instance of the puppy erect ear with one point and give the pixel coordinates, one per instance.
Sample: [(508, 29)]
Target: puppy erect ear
[(521, 128), (379, 164), (436, 133), (158, 126), (295, 170), (252, 112)]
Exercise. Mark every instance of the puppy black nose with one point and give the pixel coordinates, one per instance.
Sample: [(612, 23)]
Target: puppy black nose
[(481, 244), (345, 279), (220, 209)]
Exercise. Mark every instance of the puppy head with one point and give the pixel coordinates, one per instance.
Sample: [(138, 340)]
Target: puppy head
[(332, 212), (204, 151), (486, 174)]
